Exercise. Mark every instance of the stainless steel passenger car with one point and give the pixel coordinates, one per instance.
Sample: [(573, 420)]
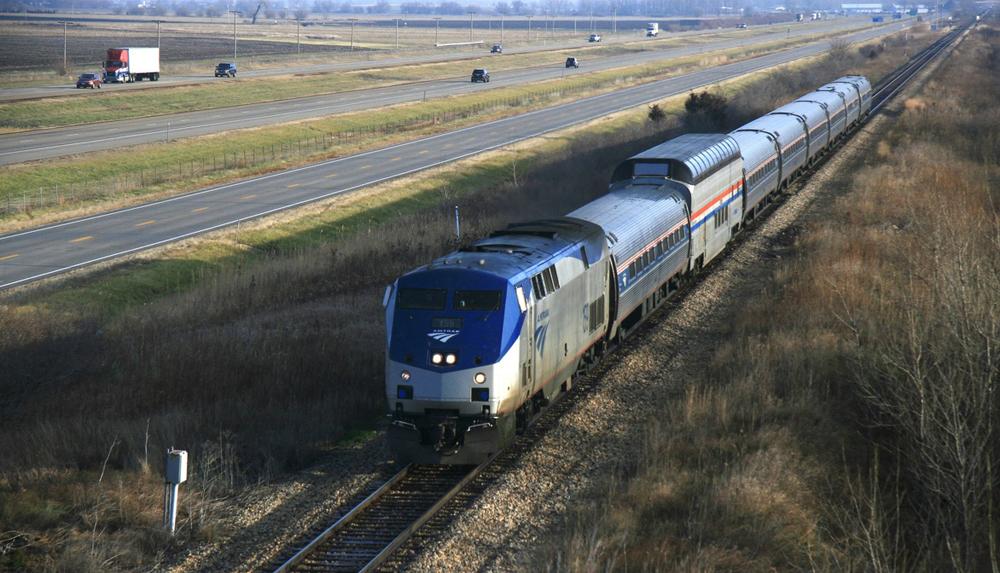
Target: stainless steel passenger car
[(814, 119), (789, 133), (645, 221), (836, 111), (709, 171)]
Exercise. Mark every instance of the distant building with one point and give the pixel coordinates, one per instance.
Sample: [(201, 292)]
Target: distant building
[(861, 8)]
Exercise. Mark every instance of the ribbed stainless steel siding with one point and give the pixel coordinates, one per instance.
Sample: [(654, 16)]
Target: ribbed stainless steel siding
[(834, 105), (757, 150), (816, 122), (638, 216)]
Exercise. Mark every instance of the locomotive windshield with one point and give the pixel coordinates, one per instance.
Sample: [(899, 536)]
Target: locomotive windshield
[(477, 300), (422, 298)]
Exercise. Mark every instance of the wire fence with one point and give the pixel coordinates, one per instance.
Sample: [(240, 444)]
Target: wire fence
[(261, 157)]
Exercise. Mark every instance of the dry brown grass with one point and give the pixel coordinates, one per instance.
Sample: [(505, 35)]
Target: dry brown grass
[(849, 421), (278, 352), (270, 358)]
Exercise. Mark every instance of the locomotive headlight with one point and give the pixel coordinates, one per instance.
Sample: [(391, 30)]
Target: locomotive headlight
[(480, 378), (404, 375), (450, 359), (437, 358)]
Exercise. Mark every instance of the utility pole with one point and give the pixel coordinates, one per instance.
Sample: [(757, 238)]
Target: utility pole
[(353, 20), (65, 61), (437, 21), (397, 32), (472, 16), (235, 14)]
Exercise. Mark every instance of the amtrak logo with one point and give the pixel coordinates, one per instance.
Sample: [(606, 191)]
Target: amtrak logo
[(443, 335), (540, 333)]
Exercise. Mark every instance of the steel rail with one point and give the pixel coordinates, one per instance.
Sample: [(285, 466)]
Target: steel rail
[(883, 95), (299, 557), (336, 549), (891, 87)]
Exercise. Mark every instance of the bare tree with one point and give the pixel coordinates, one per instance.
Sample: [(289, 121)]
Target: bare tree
[(933, 379), (260, 5)]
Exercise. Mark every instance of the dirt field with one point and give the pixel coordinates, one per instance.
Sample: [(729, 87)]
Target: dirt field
[(39, 47)]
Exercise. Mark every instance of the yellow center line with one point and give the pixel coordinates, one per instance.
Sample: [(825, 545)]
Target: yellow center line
[(199, 209), (146, 223), (8, 257), (249, 196), (331, 175), (365, 167), (81, 239), (449, 145), (395, 159), (425, 151), (294, 185)]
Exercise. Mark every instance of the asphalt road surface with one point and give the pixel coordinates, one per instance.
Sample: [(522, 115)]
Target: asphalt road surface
[(371, 60), (48, 143), (47, 251)]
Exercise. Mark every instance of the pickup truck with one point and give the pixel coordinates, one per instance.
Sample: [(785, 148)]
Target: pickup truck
[(595, 37)]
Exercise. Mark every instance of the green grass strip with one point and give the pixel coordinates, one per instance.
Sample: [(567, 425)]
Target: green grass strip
[(95, 107), (170, 167), (121, 287)]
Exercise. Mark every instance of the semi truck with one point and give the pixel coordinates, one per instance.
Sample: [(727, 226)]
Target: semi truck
[(652, 29), (132, 64)]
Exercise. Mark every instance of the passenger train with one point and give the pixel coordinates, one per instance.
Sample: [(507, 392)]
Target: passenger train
[(479, 341)]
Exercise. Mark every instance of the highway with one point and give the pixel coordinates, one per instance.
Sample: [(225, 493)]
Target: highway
[(47, 251), (49, 143), (373, 60)]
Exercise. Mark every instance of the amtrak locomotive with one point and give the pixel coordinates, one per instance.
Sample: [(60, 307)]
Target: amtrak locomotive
[(481, 340)]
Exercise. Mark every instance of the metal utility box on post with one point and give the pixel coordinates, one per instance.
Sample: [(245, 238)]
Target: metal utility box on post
[(176, 475)]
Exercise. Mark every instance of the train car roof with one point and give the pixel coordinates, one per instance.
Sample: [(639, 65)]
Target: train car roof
[(634, 215), (689, 158), (812, 112), (833, 101), (522, 246), (783, 127), (757, 148), (861, 82)]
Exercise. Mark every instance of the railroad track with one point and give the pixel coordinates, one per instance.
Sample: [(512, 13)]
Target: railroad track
[(367, 535), (884, 93)]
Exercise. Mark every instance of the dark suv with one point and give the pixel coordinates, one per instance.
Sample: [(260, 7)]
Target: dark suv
[(480, 75), (572, 63), (225, 69)]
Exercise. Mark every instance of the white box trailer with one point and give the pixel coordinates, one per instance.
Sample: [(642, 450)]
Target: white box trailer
[(132, 64)]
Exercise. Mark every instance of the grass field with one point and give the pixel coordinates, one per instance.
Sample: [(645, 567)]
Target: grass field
[(849, 420), (199, 162), (194, 43), (261, 348)]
